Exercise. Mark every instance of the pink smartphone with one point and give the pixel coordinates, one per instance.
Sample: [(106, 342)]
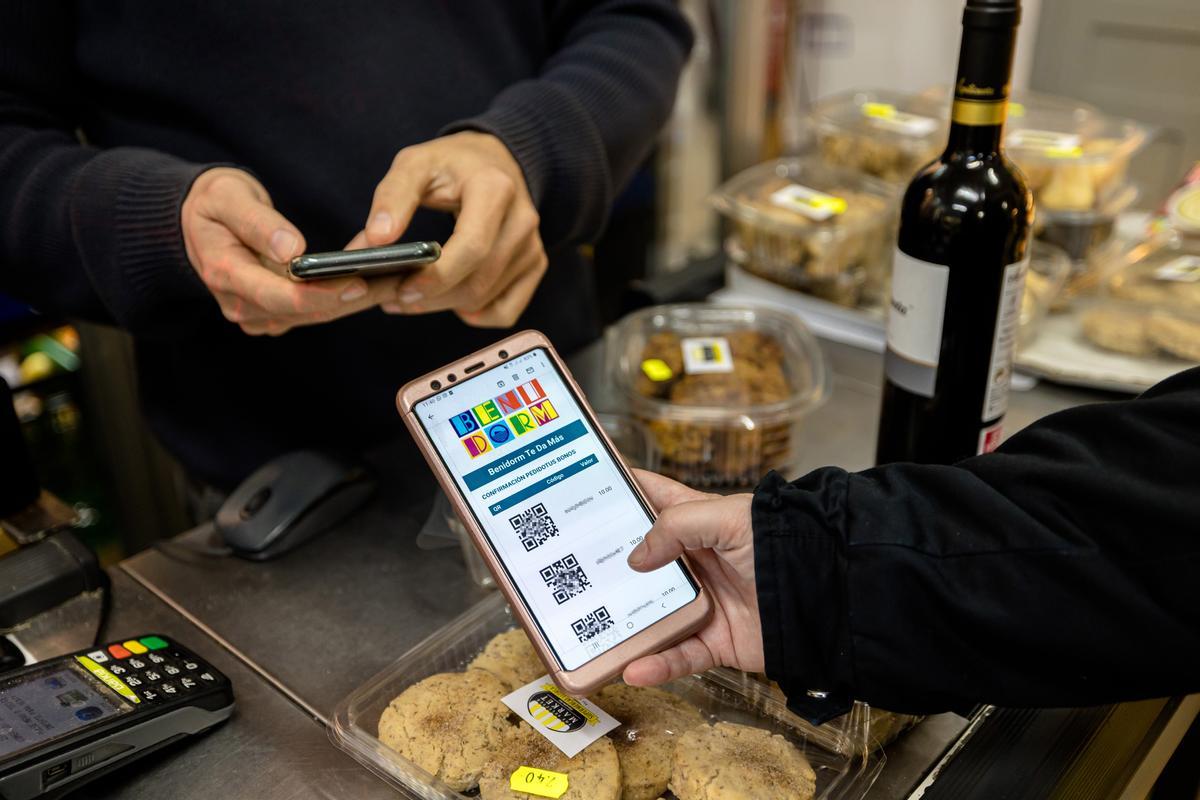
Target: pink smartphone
[(552, 508)]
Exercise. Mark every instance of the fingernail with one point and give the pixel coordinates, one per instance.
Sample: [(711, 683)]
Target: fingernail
[(638, 555), (283, 244), (354, 292), (380, 224), (410, 296)]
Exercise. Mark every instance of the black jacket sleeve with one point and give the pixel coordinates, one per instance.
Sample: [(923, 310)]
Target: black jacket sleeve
[(1061, 570), (86, 233), (585, 123)]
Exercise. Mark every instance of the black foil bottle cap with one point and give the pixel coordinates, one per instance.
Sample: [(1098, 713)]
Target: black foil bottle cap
[(992, 12)]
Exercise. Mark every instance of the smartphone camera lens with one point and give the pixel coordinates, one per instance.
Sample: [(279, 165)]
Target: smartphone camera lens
[(435, 385), (504, 354), (451, 377)]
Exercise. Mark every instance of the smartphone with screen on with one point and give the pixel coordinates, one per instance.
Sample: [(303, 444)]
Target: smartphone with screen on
[(553, 509), (369, 262)]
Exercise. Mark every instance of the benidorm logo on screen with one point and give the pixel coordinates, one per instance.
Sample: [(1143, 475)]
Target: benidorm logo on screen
[(496, 422)]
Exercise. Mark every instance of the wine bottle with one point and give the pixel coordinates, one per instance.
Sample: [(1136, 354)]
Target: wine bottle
[(959, 268)]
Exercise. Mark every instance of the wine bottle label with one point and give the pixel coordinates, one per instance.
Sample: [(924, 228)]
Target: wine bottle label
[(989, 438), (914, 329), (1004, 342)]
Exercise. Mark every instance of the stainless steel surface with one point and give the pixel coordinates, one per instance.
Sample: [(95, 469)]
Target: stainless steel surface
[(910, 756), (321, 620), (269, 749), (324, 618)]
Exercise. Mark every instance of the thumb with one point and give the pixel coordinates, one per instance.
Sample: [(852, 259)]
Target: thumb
[(693, 525)]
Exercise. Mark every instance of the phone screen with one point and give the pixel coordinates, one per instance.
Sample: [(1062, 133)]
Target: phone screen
[(553, 504), (45, 704)]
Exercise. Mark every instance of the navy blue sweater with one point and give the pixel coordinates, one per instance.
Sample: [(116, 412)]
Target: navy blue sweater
[(315, 99)]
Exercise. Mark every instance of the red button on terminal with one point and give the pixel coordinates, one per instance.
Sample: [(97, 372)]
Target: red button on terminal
[(118, 651)]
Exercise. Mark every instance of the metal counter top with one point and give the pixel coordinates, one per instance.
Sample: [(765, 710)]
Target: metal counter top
[(323, 619), (269, 749)]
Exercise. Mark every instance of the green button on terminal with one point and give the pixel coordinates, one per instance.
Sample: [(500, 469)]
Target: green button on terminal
[(153, 642)]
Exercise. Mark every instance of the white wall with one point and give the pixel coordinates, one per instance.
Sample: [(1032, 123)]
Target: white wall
[(906, 45)]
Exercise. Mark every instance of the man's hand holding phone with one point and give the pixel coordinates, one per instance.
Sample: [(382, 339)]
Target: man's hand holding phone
[(239, 245), (494, 260)]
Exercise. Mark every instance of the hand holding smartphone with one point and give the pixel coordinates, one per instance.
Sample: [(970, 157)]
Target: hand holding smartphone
[(368, 263), (552, 508)]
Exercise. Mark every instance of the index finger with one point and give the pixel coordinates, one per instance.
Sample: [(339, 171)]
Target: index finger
[(664, 492), (485, 199), (238, 272), (256, 223)]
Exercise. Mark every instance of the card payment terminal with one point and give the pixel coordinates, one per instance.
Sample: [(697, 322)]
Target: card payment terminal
[(73, 718)]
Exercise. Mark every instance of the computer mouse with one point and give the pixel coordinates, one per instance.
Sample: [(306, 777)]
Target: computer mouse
[(289, 500)]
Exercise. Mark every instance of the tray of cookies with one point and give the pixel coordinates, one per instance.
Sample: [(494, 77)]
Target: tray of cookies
[(433, 726), (723, 390), (820, 229)]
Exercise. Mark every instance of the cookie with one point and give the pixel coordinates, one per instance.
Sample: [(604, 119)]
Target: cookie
[(736, 762), (511, 658), (652, 720), (449, 724), (594, 773), (1179, 337), (1120, 331)]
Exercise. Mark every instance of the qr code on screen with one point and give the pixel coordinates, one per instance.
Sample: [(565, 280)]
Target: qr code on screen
[(534, 527), (592, 625), (565, 578)]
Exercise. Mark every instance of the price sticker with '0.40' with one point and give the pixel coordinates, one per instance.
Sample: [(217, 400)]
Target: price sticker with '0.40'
[(540, 782)]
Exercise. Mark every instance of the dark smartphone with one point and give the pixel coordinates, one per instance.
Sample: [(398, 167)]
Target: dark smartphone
[(368, 263)]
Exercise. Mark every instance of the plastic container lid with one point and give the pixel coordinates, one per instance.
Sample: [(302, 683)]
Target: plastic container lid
[(1055, 130), (799, 357), (909, 120), (806, 198), (886, 134)]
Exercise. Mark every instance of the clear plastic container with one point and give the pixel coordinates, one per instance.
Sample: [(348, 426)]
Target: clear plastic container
[(861, 731), (721, 424), (886, 134), (1074, 157), (355, 721), (632, 441), (1049, 269), (1149, 305), (806, 225)]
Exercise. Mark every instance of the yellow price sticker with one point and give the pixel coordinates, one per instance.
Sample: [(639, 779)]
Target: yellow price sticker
[(657, 370), (879, 110), (835, 204), (540, 782), (1072, 151)]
